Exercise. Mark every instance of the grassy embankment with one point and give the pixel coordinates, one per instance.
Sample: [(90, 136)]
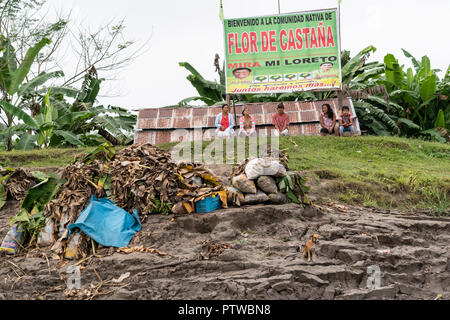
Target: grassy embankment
[(382, 172)]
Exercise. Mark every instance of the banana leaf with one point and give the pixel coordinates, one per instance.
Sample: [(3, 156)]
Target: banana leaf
[(185, 102), (3, 195), (41, 194), (19, 113), (433, 134), (42, 78), (190, 68), (356, 63), (72, 117), (440, 120), (69, 137), (393, 71), (26, 142), (8, 132), (415, 63), (8, 64), (22, 71), (428, 87)]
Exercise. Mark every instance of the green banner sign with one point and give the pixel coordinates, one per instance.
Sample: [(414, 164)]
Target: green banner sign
[(283, 53)]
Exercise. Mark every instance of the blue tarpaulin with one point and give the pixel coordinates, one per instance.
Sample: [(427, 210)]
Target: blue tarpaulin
[(107, 224)]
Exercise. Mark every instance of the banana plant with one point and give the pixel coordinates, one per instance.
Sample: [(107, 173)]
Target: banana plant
[(80, 123), (44, 130), (415, 89), (12, 88), (210, 92)]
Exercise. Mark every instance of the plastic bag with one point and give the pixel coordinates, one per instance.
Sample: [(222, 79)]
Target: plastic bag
[(243, 184), (63, 225), (275, 169), (267, 184), (13, 239), (264, 167), (259, 197), (46, 235), (197, 181), (255, 168), (278, 198), (72, 249), (107, 224)]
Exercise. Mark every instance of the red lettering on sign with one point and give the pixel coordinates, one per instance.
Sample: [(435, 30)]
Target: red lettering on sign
[(305, 32), (253, 40), (321, 36), (272, 40), (330, 37), (238, 49), (245, 42), (283, 45), (313, 38), (230, 43), (291, 40), (264, 41), (298, 35)]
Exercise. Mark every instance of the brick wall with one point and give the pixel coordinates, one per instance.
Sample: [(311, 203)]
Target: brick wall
[(163, 125)]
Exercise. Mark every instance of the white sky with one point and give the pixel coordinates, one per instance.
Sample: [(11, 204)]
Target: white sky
[(190, 30)]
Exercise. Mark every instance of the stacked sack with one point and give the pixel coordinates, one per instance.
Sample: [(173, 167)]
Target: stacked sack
[(256, 183)]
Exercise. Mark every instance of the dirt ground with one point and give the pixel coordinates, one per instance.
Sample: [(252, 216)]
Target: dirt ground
[(258, 259)]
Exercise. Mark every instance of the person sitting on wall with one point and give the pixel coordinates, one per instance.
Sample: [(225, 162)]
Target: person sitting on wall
[(281, 121), (225, 123), (328, 121), (247, 124), (346, 123)]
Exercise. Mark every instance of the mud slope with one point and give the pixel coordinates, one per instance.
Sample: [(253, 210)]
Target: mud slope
[(263, 262)]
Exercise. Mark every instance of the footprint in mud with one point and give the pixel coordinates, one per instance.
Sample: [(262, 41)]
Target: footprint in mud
[(197, 224)]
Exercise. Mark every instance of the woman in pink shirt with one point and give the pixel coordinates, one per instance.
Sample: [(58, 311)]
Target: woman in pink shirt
[(281, 121), (247, 124), (328, 121)]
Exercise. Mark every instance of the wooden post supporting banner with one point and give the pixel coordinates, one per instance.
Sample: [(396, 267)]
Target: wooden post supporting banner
[(228, 99), (340, 99), (234, 109)]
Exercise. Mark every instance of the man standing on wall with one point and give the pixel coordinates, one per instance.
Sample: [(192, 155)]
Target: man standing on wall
[(281, 121)]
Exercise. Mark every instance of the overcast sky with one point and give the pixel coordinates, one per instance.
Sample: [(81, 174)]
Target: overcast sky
[(191, 31)]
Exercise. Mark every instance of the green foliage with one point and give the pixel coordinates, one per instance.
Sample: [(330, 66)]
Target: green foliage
[(294, 186), (31, 216), (32, 223), (432, 134), (440, 120), (210, 92), (393, 71), (164, 209), (41, 194), (18, 113), (22, 71), (104, 152), (36, 117), (28, 88), (26, 142), (374, 120), (408, 127), (3, 193), (353, 66), (418, 92)]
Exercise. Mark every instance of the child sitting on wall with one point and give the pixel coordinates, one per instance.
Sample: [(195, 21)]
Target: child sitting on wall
[(346, 123)]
